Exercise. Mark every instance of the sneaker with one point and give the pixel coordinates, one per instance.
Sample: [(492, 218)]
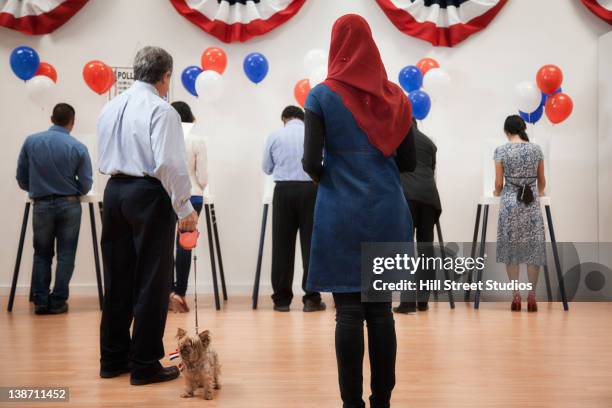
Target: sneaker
[(279, 308), (311, 306)]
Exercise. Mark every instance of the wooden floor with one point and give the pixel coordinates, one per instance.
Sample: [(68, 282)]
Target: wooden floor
[(463, 358)]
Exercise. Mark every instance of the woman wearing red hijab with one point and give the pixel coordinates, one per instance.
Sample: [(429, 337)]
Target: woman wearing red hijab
[(355, 145)]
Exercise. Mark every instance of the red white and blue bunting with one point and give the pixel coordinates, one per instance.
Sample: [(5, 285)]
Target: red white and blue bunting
[(601, 8), (34, 17), (237, 20), (443, 23)]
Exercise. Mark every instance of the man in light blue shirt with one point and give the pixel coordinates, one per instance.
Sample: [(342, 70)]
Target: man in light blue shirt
[(284, 150), (292, 209), (141, 145)]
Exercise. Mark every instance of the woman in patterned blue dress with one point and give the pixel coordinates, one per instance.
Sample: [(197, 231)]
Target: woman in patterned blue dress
[(519, 179)]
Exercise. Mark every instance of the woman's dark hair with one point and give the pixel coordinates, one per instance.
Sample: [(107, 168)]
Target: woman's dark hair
[(515, 125), (184, 111)]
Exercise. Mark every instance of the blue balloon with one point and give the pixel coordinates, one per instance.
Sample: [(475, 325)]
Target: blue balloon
[(411, 78), (188, 78), (24, 62), (255, 67), (536, 115), (421, 104), (554, 93)]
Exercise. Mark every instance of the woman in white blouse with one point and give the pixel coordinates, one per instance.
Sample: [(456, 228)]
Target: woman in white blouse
[(197, 164)]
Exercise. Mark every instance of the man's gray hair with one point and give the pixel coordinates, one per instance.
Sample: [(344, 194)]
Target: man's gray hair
[(151, 63)]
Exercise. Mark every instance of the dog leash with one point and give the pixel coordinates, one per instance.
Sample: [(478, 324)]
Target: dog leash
[(188, 241), (195, 289)]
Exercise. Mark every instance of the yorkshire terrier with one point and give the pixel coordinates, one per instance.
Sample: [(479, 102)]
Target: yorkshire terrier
[(201, 366)]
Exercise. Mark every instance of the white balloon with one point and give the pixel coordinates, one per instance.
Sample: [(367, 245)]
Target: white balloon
[(436, 82), (528, 96), (314, 59), (209, 86), (317, 76), (41, 90)]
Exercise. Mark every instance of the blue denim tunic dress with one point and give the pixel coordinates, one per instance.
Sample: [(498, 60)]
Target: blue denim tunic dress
[(359, 199)]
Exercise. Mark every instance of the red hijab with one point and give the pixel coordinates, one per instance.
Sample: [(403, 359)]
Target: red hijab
[(357, 74)]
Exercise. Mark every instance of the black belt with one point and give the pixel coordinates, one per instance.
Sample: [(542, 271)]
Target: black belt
[(294, 182), (55, 197), (532, 178), (128, 177)]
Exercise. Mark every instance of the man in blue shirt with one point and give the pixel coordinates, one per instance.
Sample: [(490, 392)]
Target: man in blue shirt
[(55, 169), (292, 209)]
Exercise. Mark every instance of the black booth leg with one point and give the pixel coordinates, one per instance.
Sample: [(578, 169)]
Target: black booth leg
[(24, 226), (483, 243), (31, 297), (213, 216), (468, 293), (262, 238), (212, 256), (451, 298), (553, 242), (94, 240)]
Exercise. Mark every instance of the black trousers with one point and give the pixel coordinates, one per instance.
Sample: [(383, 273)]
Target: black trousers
[(183, 263), (424, 218), (292, 211), (382, 348), (138, 228)]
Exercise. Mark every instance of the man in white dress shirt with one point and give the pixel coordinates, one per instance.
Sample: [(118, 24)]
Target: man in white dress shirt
[(141, 146)]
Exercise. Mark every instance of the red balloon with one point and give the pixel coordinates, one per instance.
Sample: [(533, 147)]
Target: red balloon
[(426, 64), (559, 107), (549, 78), (214, 58), (98, 76), (47, 70), (300, 91)]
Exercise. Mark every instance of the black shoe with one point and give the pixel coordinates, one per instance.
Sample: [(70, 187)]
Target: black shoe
[(59, 309), (422, 306), (41, 309), (164, 374), (114, 373), (312, 306), (405, 308), (281, 308)]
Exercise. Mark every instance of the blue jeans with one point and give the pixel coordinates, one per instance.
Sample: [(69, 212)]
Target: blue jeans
[(56, 223)]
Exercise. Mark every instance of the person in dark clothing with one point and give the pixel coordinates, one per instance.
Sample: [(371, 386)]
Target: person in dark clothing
[(422, 196), (356, 143), (55, 169), (292, 209)]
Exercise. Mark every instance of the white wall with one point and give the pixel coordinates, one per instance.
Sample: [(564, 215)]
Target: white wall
[(605, 145), (484, 69)]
